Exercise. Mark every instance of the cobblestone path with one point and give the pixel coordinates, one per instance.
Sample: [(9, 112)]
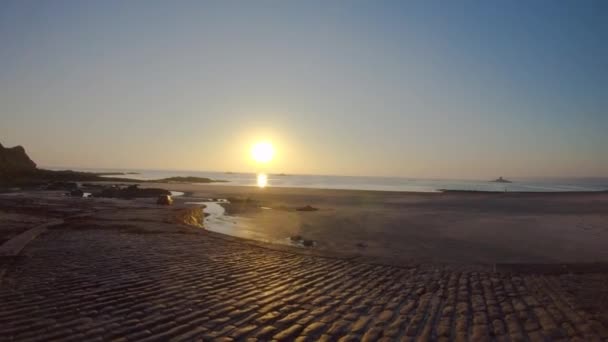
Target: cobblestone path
[(96, 284)]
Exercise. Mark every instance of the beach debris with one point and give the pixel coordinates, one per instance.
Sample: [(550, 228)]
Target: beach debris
[(307, 208), (164, 200)]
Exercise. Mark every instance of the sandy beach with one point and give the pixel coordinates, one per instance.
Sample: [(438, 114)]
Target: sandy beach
[(116, 269), (401, 227)]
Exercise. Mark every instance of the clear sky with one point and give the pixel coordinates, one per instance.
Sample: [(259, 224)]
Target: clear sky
[(450, 89)]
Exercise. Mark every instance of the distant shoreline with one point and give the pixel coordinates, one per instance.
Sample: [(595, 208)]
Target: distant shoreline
[(447, 191), (227, 189), (42, 176), (39, 177), (115, 173), (363, 183), (394, 184)]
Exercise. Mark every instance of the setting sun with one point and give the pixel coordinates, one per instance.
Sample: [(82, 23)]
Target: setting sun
[(262, 152)]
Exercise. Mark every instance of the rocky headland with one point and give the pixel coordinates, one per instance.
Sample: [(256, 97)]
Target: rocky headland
[(17, 169)]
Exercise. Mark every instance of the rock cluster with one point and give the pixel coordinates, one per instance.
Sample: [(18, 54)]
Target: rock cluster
[(132, 191)]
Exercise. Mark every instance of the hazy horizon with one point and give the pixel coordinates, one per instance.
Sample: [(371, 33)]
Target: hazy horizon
[(276, 173), (420, 89)]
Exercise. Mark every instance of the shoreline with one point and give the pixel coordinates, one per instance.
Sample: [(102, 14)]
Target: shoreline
[(435, 191), (224, 184), (146, 216), (378, 183), (271, 189), (406, 227), (451, 227)]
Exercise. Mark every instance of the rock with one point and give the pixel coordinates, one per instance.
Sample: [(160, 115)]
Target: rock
[(14, 161), (164, 200), (92, 186), (77, 193), (70, 186), (296, 238), (192, 216), (108, 192), (361, 245), (132, 191), (308, 243), (307, 208), (16, 168)]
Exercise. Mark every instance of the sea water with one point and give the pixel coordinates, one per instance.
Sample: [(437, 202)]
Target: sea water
[(376, 183)]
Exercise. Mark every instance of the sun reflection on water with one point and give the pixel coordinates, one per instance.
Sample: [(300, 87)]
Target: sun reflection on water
[(262, 180)]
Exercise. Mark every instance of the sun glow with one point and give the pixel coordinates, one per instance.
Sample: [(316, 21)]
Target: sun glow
[(262, 180), (262, 152)]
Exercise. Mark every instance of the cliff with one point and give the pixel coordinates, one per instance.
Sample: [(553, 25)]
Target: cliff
[(14, 161), (17, 169)]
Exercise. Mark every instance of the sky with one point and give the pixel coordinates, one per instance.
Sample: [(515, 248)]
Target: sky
[(429, 89)]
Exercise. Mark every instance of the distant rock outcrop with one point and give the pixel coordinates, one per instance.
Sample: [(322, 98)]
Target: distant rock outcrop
[(15, 161), (17, 169), (501, 180)]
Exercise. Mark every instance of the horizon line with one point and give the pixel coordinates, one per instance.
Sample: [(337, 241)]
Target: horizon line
[(80, 168)]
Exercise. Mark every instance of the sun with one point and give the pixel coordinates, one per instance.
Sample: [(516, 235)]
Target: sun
[(262, 152)]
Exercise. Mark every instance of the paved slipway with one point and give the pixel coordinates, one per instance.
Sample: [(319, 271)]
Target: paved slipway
[(134, 277)]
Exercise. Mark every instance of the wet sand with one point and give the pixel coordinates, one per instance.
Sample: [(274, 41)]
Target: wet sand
[(117, 269), (401, 227)]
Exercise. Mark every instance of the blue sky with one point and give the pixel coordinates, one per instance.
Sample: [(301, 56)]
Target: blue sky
[(459, 89)]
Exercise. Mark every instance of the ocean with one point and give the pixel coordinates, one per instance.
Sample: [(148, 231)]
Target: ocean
[(375, 183)]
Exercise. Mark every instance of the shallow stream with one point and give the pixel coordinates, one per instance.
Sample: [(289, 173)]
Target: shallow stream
[(217, 221)]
